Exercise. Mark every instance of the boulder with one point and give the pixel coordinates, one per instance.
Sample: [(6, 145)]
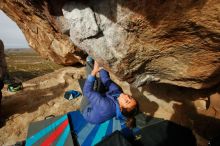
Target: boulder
[(174, 42), (145, 41), (162, 43)]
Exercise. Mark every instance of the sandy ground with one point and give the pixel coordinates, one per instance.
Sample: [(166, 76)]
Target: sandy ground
[(41, 96)]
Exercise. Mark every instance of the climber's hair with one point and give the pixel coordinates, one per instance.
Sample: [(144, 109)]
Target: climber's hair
[(130, 116)]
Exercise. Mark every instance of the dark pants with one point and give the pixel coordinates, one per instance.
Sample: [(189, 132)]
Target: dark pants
[(98, 86)]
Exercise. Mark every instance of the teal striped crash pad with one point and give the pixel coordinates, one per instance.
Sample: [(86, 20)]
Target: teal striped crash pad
[(60, 131), (54, 131), (90, 134)]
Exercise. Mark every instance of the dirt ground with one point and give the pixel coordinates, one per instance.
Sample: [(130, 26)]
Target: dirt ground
[(41, 96)]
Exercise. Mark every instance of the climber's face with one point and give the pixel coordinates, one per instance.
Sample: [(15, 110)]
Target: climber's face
[(127, 102)]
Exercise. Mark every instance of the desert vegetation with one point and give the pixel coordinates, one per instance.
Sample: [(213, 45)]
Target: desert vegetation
[(25, 64)]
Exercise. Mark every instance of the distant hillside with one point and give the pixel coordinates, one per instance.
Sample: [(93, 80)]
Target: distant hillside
[(26, 64), (9, 50)]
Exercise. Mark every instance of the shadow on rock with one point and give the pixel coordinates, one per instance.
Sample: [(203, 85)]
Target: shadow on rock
[(151, 107), (202, 121)]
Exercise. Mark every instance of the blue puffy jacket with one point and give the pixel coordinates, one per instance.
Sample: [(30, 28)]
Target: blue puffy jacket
[(102, 107)]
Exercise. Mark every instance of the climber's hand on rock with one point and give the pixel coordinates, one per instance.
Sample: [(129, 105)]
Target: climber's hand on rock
[(96, 69)]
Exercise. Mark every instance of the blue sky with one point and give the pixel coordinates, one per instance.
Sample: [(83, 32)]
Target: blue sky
[(10, 33)]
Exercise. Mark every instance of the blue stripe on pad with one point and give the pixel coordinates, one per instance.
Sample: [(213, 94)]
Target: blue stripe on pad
[(83, 134), (116, 125), (109, 129), (90, 134), (101, 132), (89, 139), (77, 121)]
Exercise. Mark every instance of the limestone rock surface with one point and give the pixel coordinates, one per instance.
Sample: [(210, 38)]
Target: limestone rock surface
[(174, 42), (144, 41)]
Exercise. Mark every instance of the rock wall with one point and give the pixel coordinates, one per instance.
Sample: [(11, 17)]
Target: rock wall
[(174, 42), (193, 108), (158, 42), (41, 31)]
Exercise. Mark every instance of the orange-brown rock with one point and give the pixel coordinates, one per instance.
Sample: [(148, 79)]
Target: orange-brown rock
[(40, 29), (175, 42), (162, 41), (215, 104)]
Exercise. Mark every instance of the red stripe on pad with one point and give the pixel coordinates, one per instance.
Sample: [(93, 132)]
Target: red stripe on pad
[(53, 136)]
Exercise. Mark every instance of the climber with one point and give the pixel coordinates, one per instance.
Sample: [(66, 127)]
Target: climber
[(103, 99)]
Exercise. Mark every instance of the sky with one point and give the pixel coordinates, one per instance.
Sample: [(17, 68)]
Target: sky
[(10, 33)]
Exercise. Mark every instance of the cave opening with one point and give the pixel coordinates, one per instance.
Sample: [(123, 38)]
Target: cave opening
[(23, 63)]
